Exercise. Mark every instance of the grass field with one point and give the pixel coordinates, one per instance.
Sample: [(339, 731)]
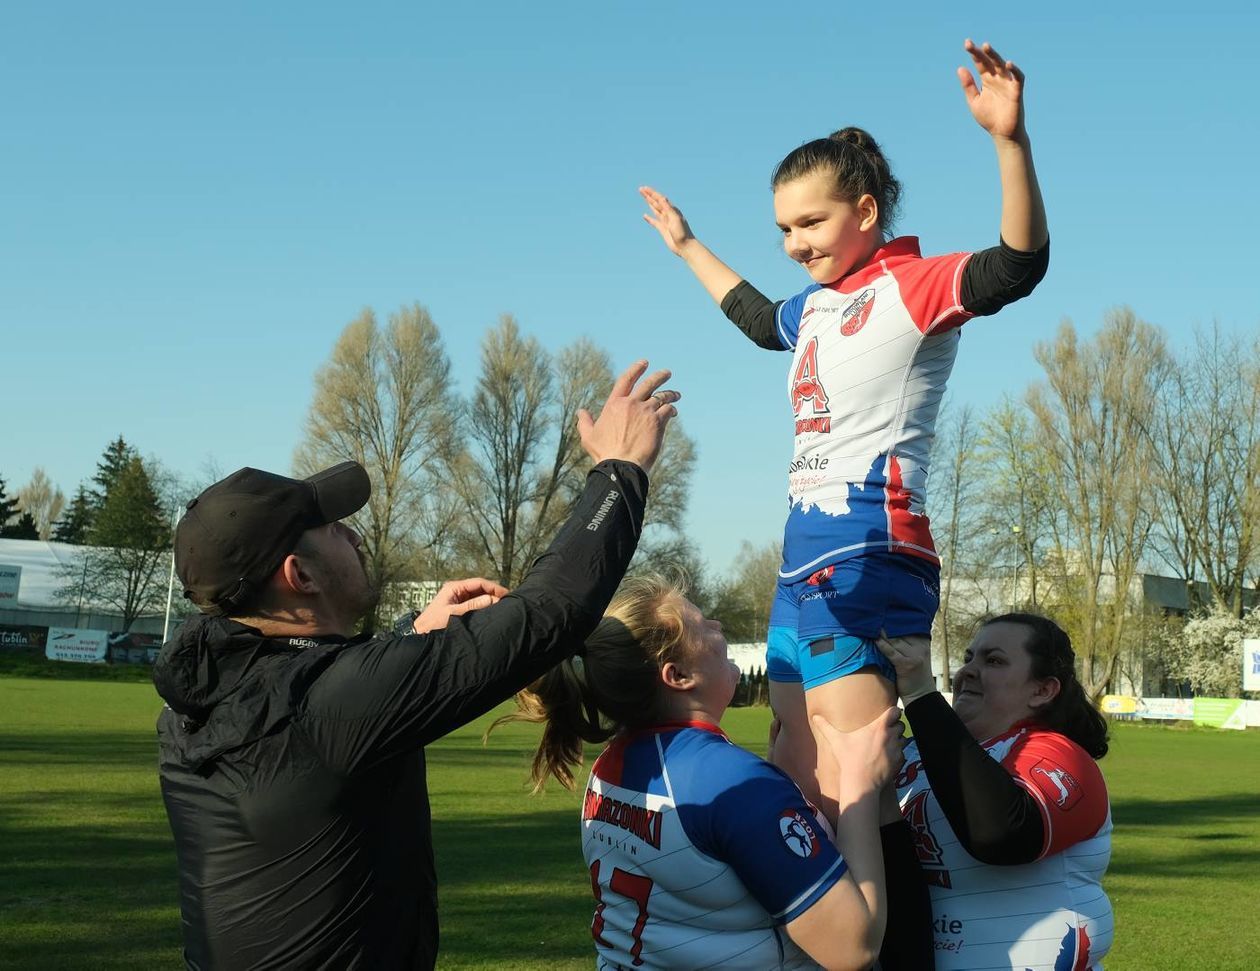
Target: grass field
[(87, 871)]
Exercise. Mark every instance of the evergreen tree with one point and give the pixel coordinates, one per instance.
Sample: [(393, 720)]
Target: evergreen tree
[(22, 528), (74, 524), (124, 566), (114, 460), (8, 508)]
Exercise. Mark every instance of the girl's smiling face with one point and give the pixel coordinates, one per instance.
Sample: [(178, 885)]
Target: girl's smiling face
[(829, 237)]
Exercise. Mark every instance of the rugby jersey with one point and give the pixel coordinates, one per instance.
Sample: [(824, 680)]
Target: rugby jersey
[(699, 852), (871, 355), (1047, 915)]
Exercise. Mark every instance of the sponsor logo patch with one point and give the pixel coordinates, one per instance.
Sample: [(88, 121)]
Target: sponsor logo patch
[(799, 835)]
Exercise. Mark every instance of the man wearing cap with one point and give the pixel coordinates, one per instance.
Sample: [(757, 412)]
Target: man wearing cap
[(291, 750)]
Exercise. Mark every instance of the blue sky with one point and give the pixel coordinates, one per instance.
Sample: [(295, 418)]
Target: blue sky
[(196, 199)]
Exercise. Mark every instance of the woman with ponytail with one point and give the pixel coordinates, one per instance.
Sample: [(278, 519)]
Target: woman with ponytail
[(873, 339), (700, 853), (1009, 810)]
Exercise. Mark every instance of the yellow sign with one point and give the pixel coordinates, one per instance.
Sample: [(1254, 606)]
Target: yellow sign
[(1119, 705)]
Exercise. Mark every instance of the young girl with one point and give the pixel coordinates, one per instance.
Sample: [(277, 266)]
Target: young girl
[(701, 854), (873, 341)]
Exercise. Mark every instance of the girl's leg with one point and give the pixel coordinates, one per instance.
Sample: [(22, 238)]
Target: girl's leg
[(795, 751)]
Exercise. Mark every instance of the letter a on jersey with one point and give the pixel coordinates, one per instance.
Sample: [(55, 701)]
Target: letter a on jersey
[(806, 387)]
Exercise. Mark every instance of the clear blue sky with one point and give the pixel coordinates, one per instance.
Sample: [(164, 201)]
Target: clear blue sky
[(195, 199)]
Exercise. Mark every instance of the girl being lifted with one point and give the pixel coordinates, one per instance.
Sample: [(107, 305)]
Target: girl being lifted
[(873, 339)]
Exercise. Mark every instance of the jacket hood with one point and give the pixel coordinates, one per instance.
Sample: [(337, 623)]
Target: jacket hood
[(205, 663), (227, 685)]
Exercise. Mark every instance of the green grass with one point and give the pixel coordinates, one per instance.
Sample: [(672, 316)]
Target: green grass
[(87, 872)]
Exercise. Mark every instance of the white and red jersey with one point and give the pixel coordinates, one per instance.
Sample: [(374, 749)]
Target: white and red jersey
[(699, 852), (1048, 915), (872, 353)]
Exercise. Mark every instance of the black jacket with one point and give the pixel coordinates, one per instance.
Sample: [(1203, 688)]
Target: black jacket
[(293, 768)]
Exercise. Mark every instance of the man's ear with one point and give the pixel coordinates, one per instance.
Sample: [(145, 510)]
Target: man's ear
[(675, 678), (295, 575), (1047, 690)]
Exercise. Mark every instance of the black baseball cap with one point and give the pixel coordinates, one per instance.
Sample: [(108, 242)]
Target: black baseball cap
[(236, 534)]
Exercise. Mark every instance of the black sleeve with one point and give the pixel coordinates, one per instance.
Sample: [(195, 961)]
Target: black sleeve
[(995, 819), (753, 313), (394, 694), (1000, 275)]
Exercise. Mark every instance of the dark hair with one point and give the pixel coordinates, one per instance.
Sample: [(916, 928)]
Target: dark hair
[(612, 684), (854, 161), (1070, 713)]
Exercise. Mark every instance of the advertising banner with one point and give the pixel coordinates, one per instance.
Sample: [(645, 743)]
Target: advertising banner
[(73, 644), (1118, 705), (17, 636), (10, 581), (133, 648), (1219, 712), (1166, 709), (1250, 662)]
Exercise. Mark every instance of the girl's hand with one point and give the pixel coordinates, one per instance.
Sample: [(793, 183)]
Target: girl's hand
[(911, 658), (998, 106), (666, 220), (868, 757)]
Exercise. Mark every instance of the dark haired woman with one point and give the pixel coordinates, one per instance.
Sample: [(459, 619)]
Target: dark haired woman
[(1007, 805), (701, 854), (873, 341)]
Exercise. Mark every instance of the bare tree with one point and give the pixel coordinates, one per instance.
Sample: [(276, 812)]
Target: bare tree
[(1092, 415), (383, 400), (522, 466), (742, 602), (955, 512), (43, 500), (1206, 482)]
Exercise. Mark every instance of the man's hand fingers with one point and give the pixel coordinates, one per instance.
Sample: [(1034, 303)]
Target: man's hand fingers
[(625, 381), (648, 385), (476, 603)]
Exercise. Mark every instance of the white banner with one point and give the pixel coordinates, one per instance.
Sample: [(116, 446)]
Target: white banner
[(10, 581), (1250, 662), (73, 644), (1166, 709)]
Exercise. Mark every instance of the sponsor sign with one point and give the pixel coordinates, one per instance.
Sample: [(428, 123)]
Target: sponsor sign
[(1119, 705), (73, 644), (15, 637), (1250, 665), (132, 648), (10, 581), (1166, 709), (1219, 712)]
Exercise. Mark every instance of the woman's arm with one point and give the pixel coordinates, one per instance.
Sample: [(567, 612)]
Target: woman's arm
[(998, 108), (714, 275), (995, 818)]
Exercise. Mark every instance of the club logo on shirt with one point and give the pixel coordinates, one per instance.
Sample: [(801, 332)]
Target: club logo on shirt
[(1057, 784), (856, 314), (799, 835), (808, 393)]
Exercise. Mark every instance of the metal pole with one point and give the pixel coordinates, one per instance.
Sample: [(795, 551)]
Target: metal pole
[(170, 580)]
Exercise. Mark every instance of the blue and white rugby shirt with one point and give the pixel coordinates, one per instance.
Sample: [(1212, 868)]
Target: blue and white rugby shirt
[(699, 852)]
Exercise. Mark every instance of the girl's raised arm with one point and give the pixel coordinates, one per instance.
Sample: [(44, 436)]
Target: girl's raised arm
[(997, 104), (663, 216)]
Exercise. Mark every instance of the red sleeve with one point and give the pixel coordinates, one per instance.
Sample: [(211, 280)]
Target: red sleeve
[(1065, 783), (931, 290)]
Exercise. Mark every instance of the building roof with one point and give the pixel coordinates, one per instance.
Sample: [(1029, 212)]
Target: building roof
[(41, 565)]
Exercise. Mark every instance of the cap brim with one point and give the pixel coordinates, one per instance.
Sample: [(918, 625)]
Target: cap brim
[(340, 491)]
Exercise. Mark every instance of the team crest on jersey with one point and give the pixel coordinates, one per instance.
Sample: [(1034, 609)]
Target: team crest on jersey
[(856, 314), (799, 835), (1057, 784), (808, 393)]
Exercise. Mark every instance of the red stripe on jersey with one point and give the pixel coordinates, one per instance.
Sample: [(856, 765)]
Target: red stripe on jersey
[(611, 762), (910, 532)]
